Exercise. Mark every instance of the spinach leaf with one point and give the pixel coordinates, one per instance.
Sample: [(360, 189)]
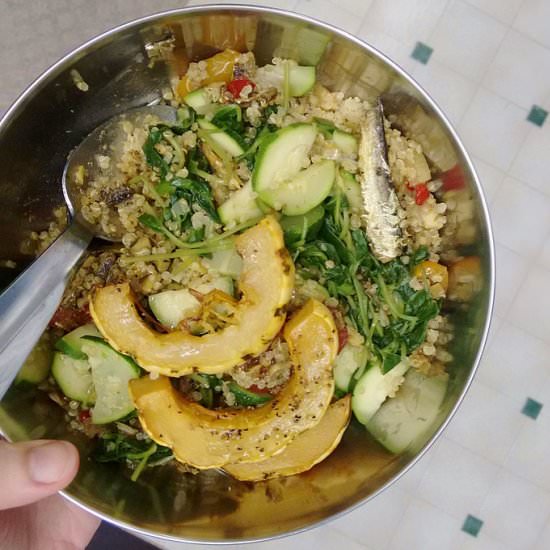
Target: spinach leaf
[(230, 120), (419, 255), (196, 191), (117, 447), (150, 221), (152, 156)]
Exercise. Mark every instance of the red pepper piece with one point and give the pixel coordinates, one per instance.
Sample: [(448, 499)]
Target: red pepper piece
[(343, 337), (84, 415), (453, 179), (67, 318), (235, 87), (421, 193)]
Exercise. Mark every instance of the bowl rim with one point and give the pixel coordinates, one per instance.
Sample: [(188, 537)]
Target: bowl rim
[(66, 59)]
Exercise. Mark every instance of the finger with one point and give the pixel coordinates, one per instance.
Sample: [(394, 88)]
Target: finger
[(34, 470)]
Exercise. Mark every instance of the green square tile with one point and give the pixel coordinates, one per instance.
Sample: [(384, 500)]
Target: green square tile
[(472, 525), (537, 115), (422, 52), (531, 408)]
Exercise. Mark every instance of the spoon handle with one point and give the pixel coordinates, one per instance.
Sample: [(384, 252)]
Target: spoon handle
[(28, 304)]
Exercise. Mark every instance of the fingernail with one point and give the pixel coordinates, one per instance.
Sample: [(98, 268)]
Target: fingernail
[(48, 463)]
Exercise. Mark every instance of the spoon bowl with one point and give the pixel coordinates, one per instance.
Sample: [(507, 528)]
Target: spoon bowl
[(29, 303), (91, 159)]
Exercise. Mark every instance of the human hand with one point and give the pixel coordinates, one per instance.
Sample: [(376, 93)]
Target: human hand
[(32, 516)]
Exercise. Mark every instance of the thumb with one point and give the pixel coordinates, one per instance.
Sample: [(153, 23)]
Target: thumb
[(33, 470)]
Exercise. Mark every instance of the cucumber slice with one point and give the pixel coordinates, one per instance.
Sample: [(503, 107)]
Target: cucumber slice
[(301, 80), (293, 226), (71, 343), (373, 388), (74, 377), (345, 142), (281, 156), (347, 362), (111, 372), (306, 190), (240, 207), (172, 306), (36, 367), (199, 101), (348, 184), (225, 262), (219, 137), (405, 421)]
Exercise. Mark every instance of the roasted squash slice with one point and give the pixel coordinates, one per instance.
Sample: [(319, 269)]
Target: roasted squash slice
[(266, 283), (211, 439), (309, 448)]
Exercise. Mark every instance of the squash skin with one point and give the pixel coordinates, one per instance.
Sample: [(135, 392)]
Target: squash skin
[(308, 449), (266, 284), (211, 439)]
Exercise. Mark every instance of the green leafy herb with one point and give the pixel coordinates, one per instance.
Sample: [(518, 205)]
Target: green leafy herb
[(152, 156), (116, 447), (230, 120), (196, 191), (419, 255), (392, 317)]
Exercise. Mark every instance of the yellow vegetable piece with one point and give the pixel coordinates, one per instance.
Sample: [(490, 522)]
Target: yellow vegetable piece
[(309, 448), (465, 278), (434, 272), (207, 438), (219, 68), (265, 283)]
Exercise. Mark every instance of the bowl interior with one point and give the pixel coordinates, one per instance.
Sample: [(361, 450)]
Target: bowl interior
[(130, 67)]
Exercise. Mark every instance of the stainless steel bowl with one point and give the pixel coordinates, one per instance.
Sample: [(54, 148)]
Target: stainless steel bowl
[(127, 67)]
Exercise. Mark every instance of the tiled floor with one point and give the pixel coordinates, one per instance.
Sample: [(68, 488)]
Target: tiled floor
[(486, 484)]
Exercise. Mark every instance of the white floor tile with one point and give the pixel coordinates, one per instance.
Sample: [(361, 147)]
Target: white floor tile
[(503, 10), (425, 527), (463, 492), (520, 71), (511, 269), (515, 511), (521, 217), (532, 163), (406, 20), (452, 91), (494, 129), (410, 480), (464, 541), (395, 49), (516, 364), (496, 322), (376, 521), (544, 257), (490, 177), (529, 457), (326, 11), (532, 20), (321, 538), (532, 304), (487, 423), (543, 542), (357, 7), (466, 39)]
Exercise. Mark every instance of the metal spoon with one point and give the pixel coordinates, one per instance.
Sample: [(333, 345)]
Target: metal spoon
[(29, 303)]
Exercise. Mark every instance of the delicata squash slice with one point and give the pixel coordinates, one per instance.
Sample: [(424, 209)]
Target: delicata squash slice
[(211, 439), (309, 448), (266, 283)]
